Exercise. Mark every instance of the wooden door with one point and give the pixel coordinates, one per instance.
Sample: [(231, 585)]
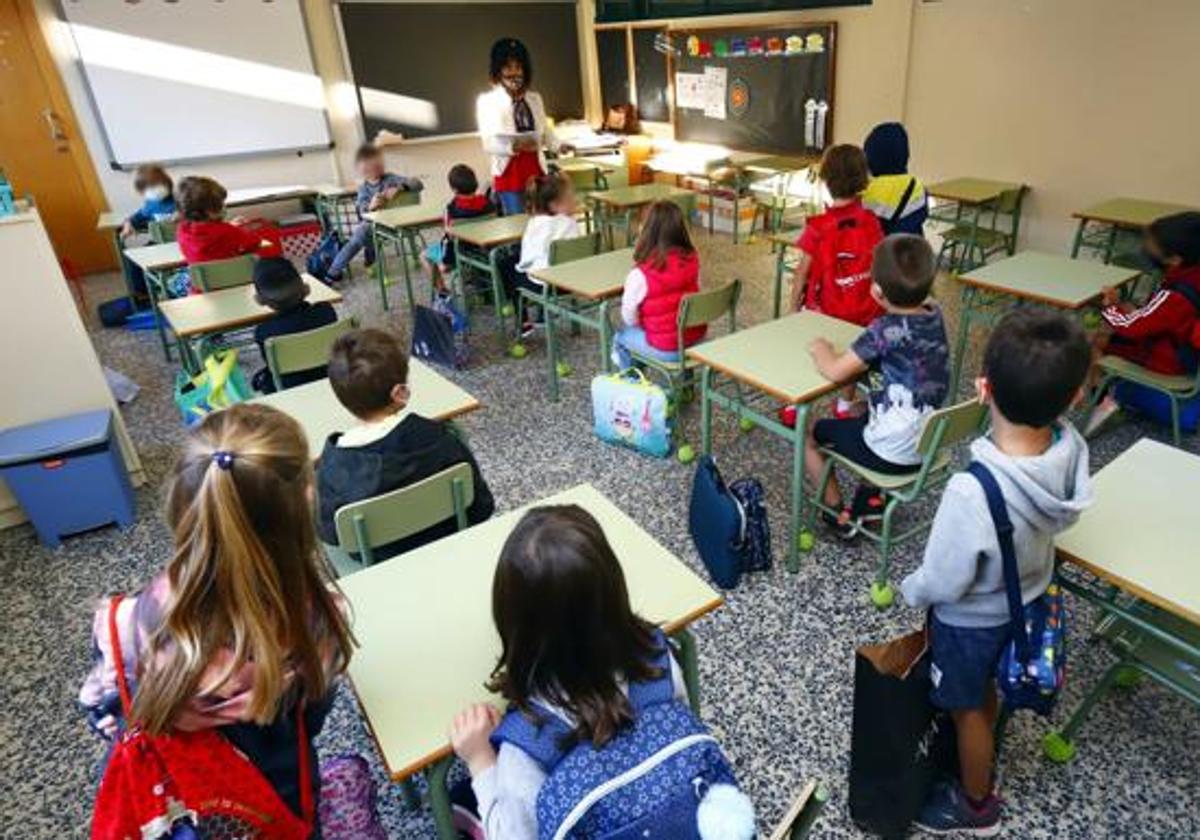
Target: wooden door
[(41, 150)]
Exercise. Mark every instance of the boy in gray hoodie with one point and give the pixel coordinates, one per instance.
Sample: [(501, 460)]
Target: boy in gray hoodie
[(1034, 368)]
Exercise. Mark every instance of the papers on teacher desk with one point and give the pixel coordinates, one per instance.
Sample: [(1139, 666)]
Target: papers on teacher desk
[(703, 91)]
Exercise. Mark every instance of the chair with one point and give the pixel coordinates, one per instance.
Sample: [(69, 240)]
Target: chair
[(943, 430), (586, 180), (974, 237), (304, 350), (695, 310), (1177, 389), (223, 274), (364, 526), (411, 240), (575, 248), (162, 231)]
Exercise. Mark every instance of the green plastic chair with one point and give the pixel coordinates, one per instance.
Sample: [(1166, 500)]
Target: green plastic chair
[(1177, 389), (943, 430), (695, 310), (364, 526), (587, 181), (162, 231), (967, 240), (575, 248), (303, 350), (223, 274)]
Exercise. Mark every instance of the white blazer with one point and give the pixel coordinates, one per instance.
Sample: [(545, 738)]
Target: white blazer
[(494, 113)]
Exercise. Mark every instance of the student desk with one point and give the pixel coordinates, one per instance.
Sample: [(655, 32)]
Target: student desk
[(427, 643), (720, 178), (623, 203), (588, 285), (194, 317), (772, 360), (111, 222), (400, 226), (156, 262), (973, 194), (1137, 548), (479, 245), (1112, 217), (316, 408), (1029, 277), (778, 164), (334, 205)]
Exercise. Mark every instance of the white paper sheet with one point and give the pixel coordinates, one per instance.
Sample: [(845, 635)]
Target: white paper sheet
[(716, 81)]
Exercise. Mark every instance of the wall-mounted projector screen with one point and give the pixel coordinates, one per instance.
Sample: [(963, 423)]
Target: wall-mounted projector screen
[(199, 79)]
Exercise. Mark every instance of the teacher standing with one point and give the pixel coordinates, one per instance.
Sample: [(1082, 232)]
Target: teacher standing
[(507, 111)]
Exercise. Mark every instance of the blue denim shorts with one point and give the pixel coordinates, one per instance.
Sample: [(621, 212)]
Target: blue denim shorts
[(964, 663)]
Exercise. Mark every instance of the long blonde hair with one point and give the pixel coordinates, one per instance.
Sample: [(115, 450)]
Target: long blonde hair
[(246, 577)]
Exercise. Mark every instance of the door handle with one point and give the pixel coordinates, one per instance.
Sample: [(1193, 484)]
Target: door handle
[(57, 134)]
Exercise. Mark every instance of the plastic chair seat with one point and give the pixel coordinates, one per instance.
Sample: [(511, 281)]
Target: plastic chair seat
[(888, 481), (984, 237), (684, 363), (1125, 369)]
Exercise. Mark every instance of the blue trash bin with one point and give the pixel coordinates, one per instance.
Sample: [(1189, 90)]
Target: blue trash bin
[(67, 474)]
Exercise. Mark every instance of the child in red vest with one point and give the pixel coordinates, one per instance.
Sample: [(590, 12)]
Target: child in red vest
[(667, 269)]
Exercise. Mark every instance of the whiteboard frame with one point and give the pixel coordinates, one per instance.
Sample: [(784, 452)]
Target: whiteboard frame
[(118, 166)]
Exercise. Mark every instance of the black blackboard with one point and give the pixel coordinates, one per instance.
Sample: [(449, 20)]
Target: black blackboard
[(767, 87), (650, 72), (434, 57), (612, 50)]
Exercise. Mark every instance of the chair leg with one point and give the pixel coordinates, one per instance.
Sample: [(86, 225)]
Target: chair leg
[(1176, 436), (882, 595), (1094, 400)]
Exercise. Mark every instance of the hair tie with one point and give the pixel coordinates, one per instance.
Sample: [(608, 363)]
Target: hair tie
[(223, 459)]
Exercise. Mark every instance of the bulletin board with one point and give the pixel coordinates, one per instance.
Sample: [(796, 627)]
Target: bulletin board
[(755, 89)]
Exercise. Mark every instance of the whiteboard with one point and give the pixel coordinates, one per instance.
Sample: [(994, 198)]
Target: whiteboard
[(196, 78)]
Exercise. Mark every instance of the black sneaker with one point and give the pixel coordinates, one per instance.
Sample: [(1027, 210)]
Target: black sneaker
[(847, 530), (868, 504), (947, 811)]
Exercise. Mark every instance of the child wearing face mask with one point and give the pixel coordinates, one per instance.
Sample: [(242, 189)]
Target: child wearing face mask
[(154, 185)]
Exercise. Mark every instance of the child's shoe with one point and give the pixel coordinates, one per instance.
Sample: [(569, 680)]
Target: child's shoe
[(1106, 411), (787, 416), (948, 811), (868, 504), (842, 525), (845, 409)]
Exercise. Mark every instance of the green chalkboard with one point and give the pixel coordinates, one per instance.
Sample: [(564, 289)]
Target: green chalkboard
[(767, 89)]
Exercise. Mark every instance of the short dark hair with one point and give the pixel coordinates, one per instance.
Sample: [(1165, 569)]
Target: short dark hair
[(506, 50), (364, 367), (903, 268), (543, 190), (844, 170), (200, 198), (664, 229), (568, 633), (1035, 363), (367, 151), (149, 174), (1178, 235), (462, 179)]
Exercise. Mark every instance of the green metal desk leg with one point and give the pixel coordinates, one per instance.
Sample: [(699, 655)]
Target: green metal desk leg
[(1111, 244), (629, 228), (408, 243), (689, 666), (960, 345), (1058, 745), (797, 525), (706, 411), (154, 282), (1078, 241), (123, 265), (605, 337), (779, 264), (380, 264), (549, 303), (967, 256), (439, 799)]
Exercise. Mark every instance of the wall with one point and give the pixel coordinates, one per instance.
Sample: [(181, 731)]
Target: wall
[(1081, 99)]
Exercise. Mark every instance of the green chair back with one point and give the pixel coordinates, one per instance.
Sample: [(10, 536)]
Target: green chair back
[(304, 350), (574, 248), (950, 426), (223, 274), (586, 180), (706, 307), (404, 198), (162, 231), (366, 525)]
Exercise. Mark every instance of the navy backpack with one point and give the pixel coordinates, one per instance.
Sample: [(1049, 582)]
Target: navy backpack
[(728, 525), (647, 783)]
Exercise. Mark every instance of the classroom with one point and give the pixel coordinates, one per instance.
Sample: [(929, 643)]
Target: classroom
[(520, 419)]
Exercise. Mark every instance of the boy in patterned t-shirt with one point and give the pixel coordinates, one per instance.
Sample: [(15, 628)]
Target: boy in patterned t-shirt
[(906, 351)]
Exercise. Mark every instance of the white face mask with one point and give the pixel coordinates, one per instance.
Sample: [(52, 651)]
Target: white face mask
[(155, 193)]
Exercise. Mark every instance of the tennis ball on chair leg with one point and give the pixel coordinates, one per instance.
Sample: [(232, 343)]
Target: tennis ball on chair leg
[(746, 424), (507, 310), (805, 540), (563, 369), (517, 351), (686, 454)]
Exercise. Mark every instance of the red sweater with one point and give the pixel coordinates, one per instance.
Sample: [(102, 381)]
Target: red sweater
[(1153, 335), (208, 241)]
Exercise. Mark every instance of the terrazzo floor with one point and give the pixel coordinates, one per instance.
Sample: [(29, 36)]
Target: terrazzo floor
[(776, 661)]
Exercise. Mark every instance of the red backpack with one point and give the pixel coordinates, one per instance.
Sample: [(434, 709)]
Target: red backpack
[(839, 282), (184, 785)]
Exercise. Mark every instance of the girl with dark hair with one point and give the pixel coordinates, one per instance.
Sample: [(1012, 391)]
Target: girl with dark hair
[(512, 124)]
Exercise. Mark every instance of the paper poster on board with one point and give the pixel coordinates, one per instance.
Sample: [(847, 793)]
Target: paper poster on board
[(716, 80)]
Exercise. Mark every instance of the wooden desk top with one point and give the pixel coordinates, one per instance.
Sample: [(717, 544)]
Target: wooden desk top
[(229, 309), (156, 257), (637, 195), (970, 190), (591, 278), (492, 232), (1129, 212), (414, 215), (1049, 278)]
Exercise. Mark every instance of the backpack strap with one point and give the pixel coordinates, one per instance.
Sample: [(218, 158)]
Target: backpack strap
[(114, 639), (660, 689), (540, 739), (908, 191), (1008, 554)]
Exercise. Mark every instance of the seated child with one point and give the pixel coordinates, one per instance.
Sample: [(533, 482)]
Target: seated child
[(667, 269), (1034, 368), (550, 201), (378, 188), (907, 347), (155, 187), (833, 272), (571, 645), (1163, 335), (467, 203), (278, 286), (368, 370), (204, 235), (896, 197), (242, 625)]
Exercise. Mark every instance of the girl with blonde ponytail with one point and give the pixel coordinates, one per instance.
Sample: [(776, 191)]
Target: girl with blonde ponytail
[(244, 625)]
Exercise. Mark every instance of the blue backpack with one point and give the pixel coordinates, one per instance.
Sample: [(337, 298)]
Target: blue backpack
[(756, 534), (647, 783), (321, 259), (728, 525), (1033, 666)]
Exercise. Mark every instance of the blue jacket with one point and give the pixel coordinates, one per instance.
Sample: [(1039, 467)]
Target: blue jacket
[(152, 210)]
